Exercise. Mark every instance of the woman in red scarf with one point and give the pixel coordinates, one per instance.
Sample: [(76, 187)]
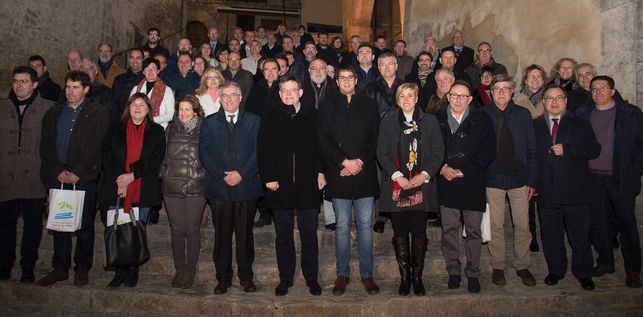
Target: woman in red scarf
[(132, 154)]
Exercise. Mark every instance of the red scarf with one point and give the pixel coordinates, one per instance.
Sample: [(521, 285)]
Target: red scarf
[(482, 91), (158, 92), (134, 139)]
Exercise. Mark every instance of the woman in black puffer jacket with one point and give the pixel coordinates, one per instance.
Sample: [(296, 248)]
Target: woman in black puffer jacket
[(182, 187)]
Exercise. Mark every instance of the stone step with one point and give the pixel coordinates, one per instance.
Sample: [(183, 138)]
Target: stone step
[(154, 297)]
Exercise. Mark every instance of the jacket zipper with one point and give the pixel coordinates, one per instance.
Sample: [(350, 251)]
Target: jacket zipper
[(293, 168)]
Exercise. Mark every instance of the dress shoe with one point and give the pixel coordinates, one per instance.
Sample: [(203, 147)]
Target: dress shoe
[(52, 277), (262, 222), (552, 279), (331, 226), (340, 285), (370, 286), (27, 276), (633, 279), (533, 247), (379, 226), (131, 277), (587, 284), (313, 287), (526, 277), (601, 270), (81, 278), (454, 281), (473, 285), (187, 279), (222, 288), (5, 273), (498, 277), (176, 281), (436, 223), (249, 286), (282, 288), (118, 279)]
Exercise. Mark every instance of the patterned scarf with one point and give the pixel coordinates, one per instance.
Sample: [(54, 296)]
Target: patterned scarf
[(158, 92), (134, 139), (534, 97), (483, 92), (190, 125), (409, 149), (422, 75)]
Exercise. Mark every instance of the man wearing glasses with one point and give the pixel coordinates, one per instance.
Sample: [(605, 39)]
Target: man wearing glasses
[(227, 150), (348, 129), (616, 176), (512, 174), (564, 145), (153, 44)]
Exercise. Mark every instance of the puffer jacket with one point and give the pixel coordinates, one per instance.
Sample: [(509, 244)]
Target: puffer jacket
[(181, 172)]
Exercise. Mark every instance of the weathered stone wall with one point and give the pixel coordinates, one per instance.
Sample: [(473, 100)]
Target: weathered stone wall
[(323, 12), (50, 28), (603, 32)]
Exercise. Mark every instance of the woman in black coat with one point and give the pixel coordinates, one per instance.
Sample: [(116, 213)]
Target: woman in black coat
[(132, 154), (410, 151), (470, 147)]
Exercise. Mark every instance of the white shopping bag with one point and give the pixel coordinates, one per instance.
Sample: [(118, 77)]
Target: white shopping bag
[(65, 209), (485, 226), (122, 216)]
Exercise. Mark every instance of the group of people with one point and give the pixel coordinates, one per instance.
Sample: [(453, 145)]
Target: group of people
[(285, 125)]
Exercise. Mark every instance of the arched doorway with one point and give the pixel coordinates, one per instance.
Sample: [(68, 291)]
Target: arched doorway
[(197, 32)]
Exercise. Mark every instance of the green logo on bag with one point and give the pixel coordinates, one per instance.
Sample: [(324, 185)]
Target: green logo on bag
[(65, 205)]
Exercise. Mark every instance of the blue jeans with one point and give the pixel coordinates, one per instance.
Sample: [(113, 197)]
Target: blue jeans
[(363, 221)]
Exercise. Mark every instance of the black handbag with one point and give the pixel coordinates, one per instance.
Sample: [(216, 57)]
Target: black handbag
[(126, 244)]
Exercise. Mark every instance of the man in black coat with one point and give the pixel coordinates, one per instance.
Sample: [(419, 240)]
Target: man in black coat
[(124, 83), (46, 87), (448, 59), (291, 168), (564, 145), (72, 134), (240, 76), (318, 86), (100, 93), (470, 147), (348, 125), (383, 89), (464, 54), (616, 176)]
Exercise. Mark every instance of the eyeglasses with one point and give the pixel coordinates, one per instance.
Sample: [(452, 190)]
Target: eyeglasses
[(21, 81), (226, 96), (597, 89), (503, 90), (212, 78), (552, 99), (346, 78), (289, 91), (459, 97)]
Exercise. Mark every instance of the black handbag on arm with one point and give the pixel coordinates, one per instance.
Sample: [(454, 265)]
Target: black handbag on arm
[(126, 244)]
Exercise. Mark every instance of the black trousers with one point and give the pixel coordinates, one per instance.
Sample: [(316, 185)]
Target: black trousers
[(575, 220), (31, 232), (84, 254), (409, 222), (605, 195), (233, 217), (307, 220)]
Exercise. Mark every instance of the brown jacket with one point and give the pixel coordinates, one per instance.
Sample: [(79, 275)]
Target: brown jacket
[(535, 110), (20, 164), (114, 70)]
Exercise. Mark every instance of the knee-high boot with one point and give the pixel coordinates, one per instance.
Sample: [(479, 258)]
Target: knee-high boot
[(131, 278), (402, 255), (418, 251), (119, 278)]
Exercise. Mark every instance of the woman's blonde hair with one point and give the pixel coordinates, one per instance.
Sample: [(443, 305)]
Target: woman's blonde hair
[(203, 88)]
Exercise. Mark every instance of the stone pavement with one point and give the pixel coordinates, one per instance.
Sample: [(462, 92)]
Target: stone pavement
[(154, 296)]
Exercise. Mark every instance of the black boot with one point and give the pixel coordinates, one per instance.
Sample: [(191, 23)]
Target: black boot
[(402, 255), (131, 277), (418, 250), (119, 278)]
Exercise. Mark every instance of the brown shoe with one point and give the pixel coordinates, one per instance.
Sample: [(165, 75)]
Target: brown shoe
[(187, 279), (81, 278), (633, 279), (601, 270), (249, 286), (526, 277), (222, 288), (370, 286), (176, 281), (340, 285), (498, 277), (52, 277)]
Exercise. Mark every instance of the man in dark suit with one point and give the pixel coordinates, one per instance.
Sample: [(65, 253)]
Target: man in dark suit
[(564, 145), (464, 54), (213, 38), (616, 176)]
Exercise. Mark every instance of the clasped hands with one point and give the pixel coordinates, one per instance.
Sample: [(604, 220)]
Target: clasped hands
[(416, 181), (450, 173), (321, 183), (68, 177), (351, 167)]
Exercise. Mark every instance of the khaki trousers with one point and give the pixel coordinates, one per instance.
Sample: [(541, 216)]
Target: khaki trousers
[(519, 203)]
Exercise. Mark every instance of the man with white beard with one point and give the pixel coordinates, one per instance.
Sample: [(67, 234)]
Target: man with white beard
[(109, 69)]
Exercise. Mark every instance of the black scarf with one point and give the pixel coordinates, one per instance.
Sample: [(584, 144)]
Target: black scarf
[(320, 92), (505, 151), (17, 103), (409, 161), (534, 97)]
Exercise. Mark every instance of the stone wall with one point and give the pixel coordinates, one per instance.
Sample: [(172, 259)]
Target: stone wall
[(323, 12), (50, 28), (603, 32)]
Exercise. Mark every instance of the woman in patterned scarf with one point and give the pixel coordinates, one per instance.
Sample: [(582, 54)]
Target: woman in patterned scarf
[(410, 151), (533, 88)]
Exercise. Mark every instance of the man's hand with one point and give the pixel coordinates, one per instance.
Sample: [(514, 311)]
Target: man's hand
[(557, 149), (72, 178), (63, 177), (353, 166), (321, 181), (403, 182), (272, 185), (232, 178), (417, 180), (531, 192), (124, 179)]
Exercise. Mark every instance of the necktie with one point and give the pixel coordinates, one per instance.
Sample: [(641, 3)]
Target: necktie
[(231, 122), (457, 51), (554, 129)]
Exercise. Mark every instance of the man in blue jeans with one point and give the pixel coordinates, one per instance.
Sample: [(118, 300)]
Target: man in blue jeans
[(348, 127)]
